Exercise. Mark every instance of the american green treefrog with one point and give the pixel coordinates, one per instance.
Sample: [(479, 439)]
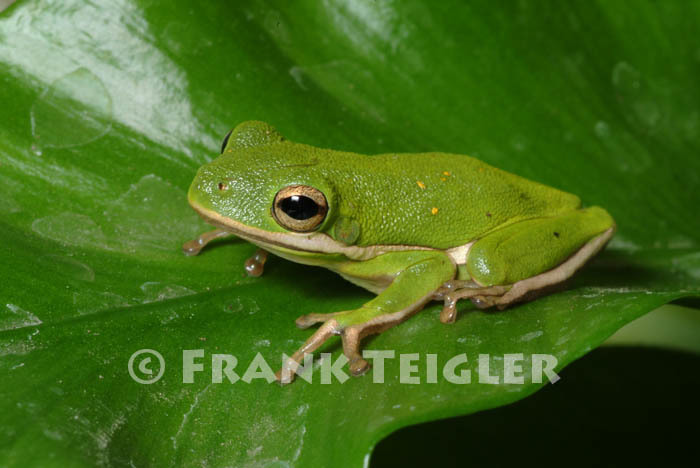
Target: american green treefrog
[(410, 228)]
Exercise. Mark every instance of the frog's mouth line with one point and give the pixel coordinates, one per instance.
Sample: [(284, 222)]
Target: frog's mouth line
[(316, 242)]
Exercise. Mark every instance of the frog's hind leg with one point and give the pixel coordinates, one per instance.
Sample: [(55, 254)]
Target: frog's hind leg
[(452, 292), (521, 289), (502, 296)]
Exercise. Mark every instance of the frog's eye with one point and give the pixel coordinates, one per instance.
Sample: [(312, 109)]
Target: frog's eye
[(299, 208), (225, 142)]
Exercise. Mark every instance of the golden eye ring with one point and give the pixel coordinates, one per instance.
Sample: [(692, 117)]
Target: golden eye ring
[(300, 208)]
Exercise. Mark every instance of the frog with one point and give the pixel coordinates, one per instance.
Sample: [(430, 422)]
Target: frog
[(409, 227)]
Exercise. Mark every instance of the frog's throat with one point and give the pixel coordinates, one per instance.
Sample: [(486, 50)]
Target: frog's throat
[(316, 242)]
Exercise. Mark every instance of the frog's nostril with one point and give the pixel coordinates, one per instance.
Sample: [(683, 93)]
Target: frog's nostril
[(223, 186)]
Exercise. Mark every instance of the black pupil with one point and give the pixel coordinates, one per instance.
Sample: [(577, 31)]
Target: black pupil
[(299, 207), (223, 145)]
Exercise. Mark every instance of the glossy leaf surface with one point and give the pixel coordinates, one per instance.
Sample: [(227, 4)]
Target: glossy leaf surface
[(108, 108)]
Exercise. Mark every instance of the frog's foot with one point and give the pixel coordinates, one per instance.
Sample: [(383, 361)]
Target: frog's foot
[(351, 337), (505, 295), (352, 326), (472, 291), (305, 321), (254, 266), (195, 246)]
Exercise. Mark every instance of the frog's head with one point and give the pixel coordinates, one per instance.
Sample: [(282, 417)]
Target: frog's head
[(268, 190)]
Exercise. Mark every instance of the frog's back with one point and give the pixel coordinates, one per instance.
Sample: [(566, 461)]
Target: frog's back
[(439, 200)]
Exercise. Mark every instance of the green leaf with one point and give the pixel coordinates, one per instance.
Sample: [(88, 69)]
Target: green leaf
[(108, 108)]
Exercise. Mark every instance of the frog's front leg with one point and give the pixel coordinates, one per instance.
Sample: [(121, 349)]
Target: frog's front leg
[(196, 245), (412, 278), (253, 266), (514, 263)]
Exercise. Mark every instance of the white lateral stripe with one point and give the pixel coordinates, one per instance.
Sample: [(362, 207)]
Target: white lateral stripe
[(318, 242), (459, 255)]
